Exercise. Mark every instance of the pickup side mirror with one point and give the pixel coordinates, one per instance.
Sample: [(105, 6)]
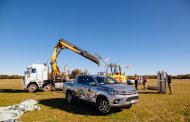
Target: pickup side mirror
[(92, 84)]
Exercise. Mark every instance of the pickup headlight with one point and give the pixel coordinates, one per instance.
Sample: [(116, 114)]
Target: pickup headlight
[(112, 92)]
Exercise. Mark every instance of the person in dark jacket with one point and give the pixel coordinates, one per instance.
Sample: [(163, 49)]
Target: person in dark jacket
[(169, 81)]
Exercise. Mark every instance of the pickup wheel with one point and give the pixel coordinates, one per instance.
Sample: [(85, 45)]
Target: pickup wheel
[(32, 88), (47, 88), (69, 97), (103, 106)]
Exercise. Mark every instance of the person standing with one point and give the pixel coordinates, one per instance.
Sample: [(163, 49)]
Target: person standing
[(169, 81), (136, 81), (145, 80)]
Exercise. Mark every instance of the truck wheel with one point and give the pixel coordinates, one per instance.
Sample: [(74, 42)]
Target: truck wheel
[(47, 88), (103, 106), (32, 88), (69, 97)]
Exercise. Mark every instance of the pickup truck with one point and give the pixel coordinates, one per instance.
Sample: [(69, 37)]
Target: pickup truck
[(103, 91)]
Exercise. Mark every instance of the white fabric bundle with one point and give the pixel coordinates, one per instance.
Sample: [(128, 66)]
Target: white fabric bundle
[(11, 113)]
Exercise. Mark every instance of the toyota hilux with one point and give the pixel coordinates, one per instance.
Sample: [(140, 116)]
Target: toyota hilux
[(103, 91)]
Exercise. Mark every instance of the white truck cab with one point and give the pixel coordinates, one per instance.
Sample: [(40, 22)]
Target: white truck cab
[(36, 77), (37, 74)]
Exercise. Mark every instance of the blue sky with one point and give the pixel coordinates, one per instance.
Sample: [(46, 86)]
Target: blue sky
[(148, 35)]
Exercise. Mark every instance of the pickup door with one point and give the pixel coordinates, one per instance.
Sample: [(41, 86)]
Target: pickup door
[(83, 90)]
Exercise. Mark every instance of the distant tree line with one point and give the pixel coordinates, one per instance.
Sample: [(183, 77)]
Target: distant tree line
[(10, 77), (186, 76), (149, 76), (73, 74), (77, 72)]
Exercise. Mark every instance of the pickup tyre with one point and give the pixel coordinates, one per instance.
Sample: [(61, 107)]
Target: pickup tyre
[(103, 106), (69, 97)]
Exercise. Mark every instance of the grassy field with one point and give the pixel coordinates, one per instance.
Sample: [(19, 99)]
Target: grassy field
[(151, 106)]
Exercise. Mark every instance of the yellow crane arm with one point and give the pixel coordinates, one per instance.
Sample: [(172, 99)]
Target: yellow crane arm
[(63, 44)]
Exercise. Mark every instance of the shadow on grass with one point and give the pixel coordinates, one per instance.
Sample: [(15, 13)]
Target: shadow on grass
[(75, 108), (11, 91), (148, 92)]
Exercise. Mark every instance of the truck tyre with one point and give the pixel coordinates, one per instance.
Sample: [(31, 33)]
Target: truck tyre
[(32, 88), (103, 106), (47, 87), (69, 97)]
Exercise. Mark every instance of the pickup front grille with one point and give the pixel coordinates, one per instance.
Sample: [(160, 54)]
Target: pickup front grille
[(130, 92), (132, 98)]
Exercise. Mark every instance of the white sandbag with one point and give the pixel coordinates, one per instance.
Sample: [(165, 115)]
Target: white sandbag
[(14, 112)]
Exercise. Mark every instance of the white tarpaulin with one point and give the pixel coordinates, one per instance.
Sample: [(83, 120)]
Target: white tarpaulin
[(14, 112)]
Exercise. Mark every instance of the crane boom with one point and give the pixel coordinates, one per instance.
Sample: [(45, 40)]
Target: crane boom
[(63, 44)]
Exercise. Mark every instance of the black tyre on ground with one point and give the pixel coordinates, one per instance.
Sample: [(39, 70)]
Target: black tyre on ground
[(47, 87), (103, 106), (32, 88), (69, 97)]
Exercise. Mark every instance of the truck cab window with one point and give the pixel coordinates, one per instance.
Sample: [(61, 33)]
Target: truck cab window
[(33, 71)]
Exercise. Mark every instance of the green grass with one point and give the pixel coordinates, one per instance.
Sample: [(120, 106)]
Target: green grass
[(151, 106)]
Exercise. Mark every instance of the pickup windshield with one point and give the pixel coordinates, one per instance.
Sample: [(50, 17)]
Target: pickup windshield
[(106, 80)]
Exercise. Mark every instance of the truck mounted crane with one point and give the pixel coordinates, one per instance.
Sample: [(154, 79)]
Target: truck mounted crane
[(36, 76), (63, 44)]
